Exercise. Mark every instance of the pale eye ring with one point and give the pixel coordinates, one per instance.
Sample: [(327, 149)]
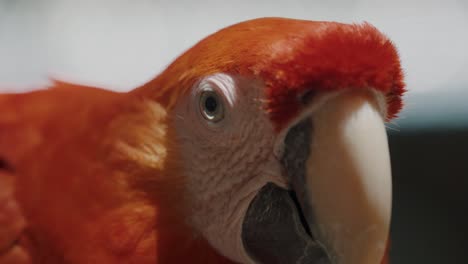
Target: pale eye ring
[(211, 106)]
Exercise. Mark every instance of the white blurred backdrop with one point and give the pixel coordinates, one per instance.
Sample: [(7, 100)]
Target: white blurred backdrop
[(120, 44)]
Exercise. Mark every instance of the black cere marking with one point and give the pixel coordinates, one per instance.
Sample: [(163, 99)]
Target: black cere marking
[(296, 153)]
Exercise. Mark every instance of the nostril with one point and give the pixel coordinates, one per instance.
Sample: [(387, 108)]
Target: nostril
[(4, 165), (306, 97)]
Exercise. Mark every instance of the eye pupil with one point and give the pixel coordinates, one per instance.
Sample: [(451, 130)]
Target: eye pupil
[(211, 104)]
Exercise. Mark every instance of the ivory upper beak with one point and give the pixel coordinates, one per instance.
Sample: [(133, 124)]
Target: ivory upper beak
[(348, 178)]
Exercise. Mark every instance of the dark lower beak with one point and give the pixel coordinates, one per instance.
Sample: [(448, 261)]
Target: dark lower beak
[(276, 232)]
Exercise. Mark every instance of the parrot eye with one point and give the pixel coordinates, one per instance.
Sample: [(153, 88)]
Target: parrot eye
[(211, 106)]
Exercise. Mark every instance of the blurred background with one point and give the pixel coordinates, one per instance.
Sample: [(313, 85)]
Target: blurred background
[(121, 44)]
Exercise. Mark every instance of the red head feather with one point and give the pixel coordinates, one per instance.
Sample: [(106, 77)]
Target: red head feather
[(60, 143), (291, 57)]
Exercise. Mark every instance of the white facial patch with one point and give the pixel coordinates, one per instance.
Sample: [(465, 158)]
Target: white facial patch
[(222, 82)]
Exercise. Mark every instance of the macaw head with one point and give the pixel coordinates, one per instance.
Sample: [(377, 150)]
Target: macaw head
[(277, 132)]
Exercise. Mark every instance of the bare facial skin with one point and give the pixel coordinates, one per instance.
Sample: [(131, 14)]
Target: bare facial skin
[(238, 159), (231, 153)]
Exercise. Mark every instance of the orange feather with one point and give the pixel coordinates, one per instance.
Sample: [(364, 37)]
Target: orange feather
[(95, 172), (91, 174), (290, 56)]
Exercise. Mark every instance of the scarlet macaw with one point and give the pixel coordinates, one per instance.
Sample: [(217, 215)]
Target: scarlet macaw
[(263, 143)]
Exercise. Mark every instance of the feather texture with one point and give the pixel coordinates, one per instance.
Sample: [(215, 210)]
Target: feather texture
[(290, 56), (91, 176)]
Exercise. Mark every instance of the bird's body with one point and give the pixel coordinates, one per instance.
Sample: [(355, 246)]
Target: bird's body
[(77, 154), (94, 176)]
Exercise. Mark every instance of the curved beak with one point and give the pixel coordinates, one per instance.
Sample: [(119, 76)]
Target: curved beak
[(345, 187), (338, 208)]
